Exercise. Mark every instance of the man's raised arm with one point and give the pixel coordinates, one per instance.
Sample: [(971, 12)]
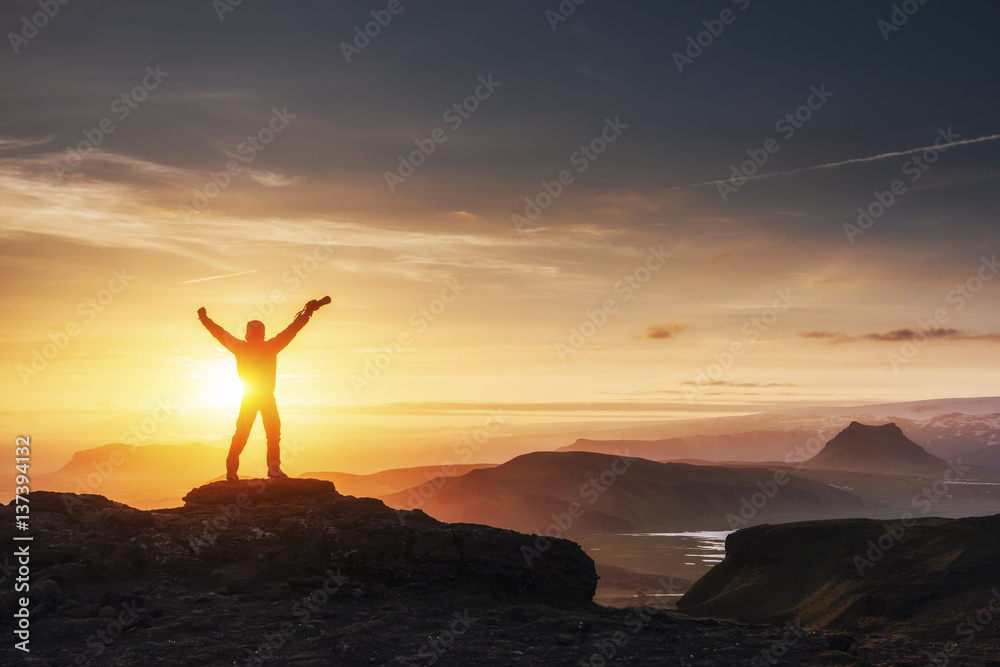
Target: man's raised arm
[(229, 341), (285, 337)]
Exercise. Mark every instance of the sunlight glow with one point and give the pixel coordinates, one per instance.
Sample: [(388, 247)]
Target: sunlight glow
[(221, 387)]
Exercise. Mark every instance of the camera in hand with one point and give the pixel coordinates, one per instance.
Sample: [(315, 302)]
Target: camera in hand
[(316, 304)]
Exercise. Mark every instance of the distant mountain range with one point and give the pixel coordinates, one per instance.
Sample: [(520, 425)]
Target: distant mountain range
[(862, 471), (388, 482), (143, 461), (155, 475), (947, 428), (146, 476), (748, 446), (584, 492)]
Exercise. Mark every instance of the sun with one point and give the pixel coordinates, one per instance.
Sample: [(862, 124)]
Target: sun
[(222, 386)]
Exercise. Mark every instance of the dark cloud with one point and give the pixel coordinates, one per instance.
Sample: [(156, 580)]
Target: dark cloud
[(558, 85), (898, 335), (664, 331)]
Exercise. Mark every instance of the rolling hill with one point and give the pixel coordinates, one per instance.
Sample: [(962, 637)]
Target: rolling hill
[(923, 576), (584, 492), (388, 482), (653, 450)]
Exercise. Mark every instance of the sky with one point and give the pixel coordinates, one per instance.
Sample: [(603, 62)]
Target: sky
[(617, 210)]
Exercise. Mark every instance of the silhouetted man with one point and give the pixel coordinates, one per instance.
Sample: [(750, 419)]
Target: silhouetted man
[(257, 365)]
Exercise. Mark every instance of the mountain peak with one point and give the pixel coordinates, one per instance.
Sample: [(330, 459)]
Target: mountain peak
[(877, 448), (888, 427)]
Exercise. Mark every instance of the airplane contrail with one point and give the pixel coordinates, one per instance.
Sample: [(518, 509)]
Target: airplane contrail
[(830, 165), (228, 275)]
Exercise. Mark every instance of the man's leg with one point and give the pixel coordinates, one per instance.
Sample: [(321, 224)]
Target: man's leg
[(244, 422), (272, 428)]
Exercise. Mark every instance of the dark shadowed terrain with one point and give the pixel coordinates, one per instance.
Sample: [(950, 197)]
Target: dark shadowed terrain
[(923, 577), (293, 573)]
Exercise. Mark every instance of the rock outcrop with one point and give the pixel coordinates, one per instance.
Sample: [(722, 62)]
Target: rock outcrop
[(290, 572), (923, 577), (244, 535)]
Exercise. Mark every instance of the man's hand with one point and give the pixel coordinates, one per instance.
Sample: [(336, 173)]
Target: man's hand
[(316, 304), (202, 313)]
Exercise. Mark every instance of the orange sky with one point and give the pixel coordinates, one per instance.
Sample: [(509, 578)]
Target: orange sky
[(637, 293)]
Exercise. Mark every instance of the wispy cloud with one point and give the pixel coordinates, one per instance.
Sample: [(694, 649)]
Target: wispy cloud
[(10, 143), (739, 385), (268, 178), (227, 275), (614, 81), (119, 201), (842, 163)]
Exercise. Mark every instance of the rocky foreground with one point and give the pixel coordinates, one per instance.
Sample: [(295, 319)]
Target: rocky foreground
[(291, 572)]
